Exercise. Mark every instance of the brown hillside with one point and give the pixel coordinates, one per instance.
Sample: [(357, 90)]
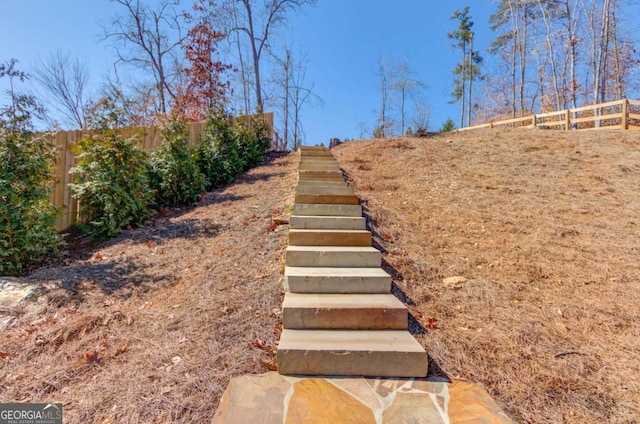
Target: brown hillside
[(544, 226)]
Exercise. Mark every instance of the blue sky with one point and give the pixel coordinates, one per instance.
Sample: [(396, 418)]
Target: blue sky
[(343, 40)]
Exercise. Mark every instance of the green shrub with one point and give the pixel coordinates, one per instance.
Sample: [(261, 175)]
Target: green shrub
[(448, 126), (173, 172), (254, 143), (27, 217), (113, 185), (218, 154)]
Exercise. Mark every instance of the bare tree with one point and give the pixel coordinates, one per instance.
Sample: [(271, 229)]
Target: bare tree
[(296, 93), (258, 24), (65, 81), (301, 94), (149, 38), (408, 88), (386, 75), (421, 116)]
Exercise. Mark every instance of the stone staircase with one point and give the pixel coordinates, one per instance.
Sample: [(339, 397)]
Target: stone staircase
[(339, 317)]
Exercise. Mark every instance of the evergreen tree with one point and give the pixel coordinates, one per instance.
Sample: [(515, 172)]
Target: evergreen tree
[(468, 70)]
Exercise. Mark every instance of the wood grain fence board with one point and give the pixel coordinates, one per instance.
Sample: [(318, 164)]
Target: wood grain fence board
[(551, 124), (596, 106), (634, 102), (605, 127), (514, 120), (634, 116), (559, 113), (616, 116)]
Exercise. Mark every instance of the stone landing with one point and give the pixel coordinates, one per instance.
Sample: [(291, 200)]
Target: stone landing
[(274, 398)]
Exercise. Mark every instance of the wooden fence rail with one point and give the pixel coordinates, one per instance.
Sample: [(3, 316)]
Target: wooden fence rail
[(150, 140), (620, 114)]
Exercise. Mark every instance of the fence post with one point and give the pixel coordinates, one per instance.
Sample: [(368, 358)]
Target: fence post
[(567, 120), (624, 124), (534, 121)]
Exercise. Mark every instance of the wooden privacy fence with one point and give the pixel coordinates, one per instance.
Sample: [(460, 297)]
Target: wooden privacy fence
[(68, 207), (620, 114)]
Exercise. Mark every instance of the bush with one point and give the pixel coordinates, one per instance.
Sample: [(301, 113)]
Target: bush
[(218, 154), (448, 126), (27, 217), (113, 185), (173, 172), (254, 143)]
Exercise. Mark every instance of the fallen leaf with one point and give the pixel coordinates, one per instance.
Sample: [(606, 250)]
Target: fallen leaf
[(93, 358), (4, 355), (97, 256), (272, 227), (432, 323), (260, 344), (122, 350), (149, 243)]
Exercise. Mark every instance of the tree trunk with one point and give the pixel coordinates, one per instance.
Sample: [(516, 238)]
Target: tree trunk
[(523, 58), (551, 52), (287, 67), (463, 77), (470, 80)]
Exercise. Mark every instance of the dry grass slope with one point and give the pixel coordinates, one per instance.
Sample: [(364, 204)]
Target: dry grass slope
[(544, 226), (151, 326)]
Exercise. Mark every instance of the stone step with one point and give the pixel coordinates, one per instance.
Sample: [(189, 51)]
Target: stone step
[(320, 168), (322, 183), (343, 312), (317, 153), (320, 175), (298, 222), (302, 209), (336, 280), (309, 148), (333, 256), (328, 199), (380, 353), (331, 190), (329, 237), (318, 159)]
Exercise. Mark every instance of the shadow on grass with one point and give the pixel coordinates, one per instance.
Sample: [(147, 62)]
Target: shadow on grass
[(415, 327), (123, 278), (71, 276)]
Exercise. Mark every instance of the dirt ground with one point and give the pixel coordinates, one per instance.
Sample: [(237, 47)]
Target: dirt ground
[(518, 253), (150, 326)]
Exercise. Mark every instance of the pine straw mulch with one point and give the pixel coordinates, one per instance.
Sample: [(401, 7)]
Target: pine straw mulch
[(150, 326), (544, 228)]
